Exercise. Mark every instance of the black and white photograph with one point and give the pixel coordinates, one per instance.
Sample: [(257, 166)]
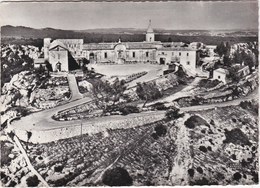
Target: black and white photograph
[(132, 93)]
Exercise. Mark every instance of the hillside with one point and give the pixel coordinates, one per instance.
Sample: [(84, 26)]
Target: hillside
[(27, 35)]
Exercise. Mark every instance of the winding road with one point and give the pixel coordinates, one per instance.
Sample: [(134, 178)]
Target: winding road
[(42, 120)]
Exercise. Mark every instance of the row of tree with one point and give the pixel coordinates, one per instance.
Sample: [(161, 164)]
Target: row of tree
[(247, 55)]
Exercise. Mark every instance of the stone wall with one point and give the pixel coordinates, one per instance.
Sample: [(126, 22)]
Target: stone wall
[(49, 135)]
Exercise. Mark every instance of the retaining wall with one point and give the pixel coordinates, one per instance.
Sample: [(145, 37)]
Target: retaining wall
[(49, 135)]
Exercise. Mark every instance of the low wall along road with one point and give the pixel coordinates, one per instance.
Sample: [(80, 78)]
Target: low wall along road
[(88, 127)]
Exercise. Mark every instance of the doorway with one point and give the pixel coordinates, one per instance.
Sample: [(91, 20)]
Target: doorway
[(162, 61), (58, 66)]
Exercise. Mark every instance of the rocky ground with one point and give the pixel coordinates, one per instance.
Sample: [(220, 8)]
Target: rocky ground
[(14, 170), (217, 146), (28, 92)]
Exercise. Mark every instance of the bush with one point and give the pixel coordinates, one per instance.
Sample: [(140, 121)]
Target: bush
[(159, 106), (125, 110), (128, 110), (173, 113), (249, 105), (191, 172), (194, 121), (236, 136), (237, 176), (203, 181), (209, 83), (32, 181), (117, 177), (5, 151), (58, 168), (160, 130)]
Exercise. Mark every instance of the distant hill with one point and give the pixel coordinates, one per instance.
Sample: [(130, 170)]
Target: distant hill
[(27, 32), (27, 35)]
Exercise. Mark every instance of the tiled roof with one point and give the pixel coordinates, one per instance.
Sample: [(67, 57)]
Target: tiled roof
[(57, 43), (99, 46), (111, 46), (179, 48), (140, 45), (221, 70)]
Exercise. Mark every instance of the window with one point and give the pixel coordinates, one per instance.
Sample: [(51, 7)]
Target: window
[(147, 54), (133, 54), (188, 63), (187, 54), (105, 55), (218, 77), (179, 53), (162, 53), (172, 53), (58, 56)]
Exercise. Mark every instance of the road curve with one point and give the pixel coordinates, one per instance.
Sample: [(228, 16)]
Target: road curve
[(43, 120)]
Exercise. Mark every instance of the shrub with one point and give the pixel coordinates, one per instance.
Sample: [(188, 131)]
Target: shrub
[(236, 136), (160, 130), (203, 149), (203, 181), (194, 121), (249, 105), (159, 106), (237, 176), (199, 169), (32, 181), (191, 172), (209, 83), (128, 110), (5, 151), (173, 113), (117, 177), (58, 168)]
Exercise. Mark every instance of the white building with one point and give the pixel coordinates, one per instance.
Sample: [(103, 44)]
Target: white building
[(220, 74), (57, 51)]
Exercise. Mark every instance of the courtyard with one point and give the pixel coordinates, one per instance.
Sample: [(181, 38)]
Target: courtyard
[(125, 69)]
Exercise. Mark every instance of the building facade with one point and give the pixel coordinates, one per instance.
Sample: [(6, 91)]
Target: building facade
[(57, 51)]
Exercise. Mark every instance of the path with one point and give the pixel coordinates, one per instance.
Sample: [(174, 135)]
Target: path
[(187, 91), (75, 94), (183, 159), (146, 78), (29, 164)]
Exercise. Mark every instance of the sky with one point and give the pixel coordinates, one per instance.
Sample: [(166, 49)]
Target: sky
[(164, 15)]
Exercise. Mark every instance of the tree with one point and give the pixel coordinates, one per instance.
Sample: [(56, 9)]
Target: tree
[(48, 66), (237, 59), (105, 92), (223, 49), (227, 61), (147, 91), (250, 60), (233, 75), (117, 177)]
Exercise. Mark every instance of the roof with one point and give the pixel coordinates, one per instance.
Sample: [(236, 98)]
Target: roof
[(221, 70), (71, 41), (150, 29), (173, 48), (244, 67), (99, 46), (140, 45), (111, 46), (56, 43)]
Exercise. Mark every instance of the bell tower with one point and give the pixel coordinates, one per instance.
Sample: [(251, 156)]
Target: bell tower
[(150, 33)]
